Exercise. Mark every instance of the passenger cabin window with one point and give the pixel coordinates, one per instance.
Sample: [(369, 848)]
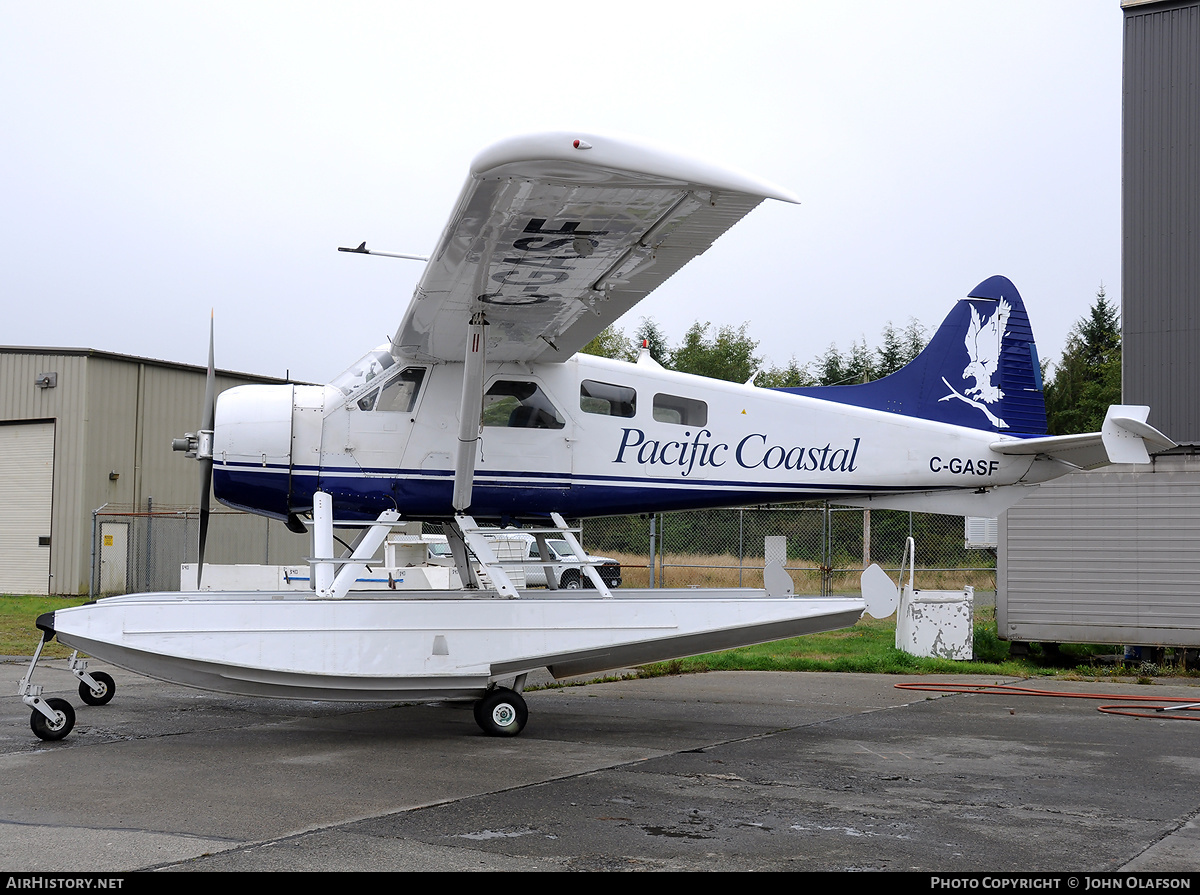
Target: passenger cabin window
[(399, 395), (607, 399), (680, 411), (519, 405)]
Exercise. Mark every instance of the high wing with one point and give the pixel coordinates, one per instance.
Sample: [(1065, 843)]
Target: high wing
[(557, 235)]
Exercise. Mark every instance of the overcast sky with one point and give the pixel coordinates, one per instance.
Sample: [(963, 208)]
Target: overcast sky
[(162, 159)]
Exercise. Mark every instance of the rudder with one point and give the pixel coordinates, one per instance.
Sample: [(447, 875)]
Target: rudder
[(980, 370)]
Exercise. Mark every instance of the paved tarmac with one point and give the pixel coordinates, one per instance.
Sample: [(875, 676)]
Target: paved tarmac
[(740, 770)]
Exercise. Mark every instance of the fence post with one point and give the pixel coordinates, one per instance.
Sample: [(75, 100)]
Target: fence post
[(866, 539), (662, 553), (151, 582), (93, 584), (826, 550), (742, 542), (653, 549)]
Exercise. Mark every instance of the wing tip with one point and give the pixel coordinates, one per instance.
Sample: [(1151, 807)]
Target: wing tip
[(614, 155)]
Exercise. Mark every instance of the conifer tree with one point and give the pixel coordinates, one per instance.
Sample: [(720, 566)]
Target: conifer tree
[(1088, 377)]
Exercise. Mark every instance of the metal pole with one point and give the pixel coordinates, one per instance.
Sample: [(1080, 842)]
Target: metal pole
[(653, 548), (149, 583), (662, 571), (826, 551), (93, 584), (741, 542)]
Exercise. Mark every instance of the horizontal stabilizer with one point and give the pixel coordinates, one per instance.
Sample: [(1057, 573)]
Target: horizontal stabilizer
[(1124, 438)]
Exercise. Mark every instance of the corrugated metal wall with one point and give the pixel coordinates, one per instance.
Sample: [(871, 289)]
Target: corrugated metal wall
[(1105, 557), (117, 414), (1161, 215)]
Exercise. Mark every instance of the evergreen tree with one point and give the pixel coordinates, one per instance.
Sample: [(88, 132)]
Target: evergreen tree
[(651, 333), (889, 356), (915, 340), (791, 376), (611, 342), (831, 367), (728, 355), (1088, 378), (860, 366)]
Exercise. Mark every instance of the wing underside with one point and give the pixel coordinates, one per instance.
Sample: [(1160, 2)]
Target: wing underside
[(553, 243)]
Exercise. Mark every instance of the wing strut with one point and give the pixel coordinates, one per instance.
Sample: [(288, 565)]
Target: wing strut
[(469, 409)]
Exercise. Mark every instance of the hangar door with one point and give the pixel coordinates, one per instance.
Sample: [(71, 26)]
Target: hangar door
[(26, 488)]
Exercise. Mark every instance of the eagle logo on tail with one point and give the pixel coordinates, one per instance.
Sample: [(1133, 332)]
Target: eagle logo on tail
[(983, 341)]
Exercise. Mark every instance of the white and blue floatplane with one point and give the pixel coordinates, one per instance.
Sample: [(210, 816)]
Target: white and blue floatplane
[(481, 411)]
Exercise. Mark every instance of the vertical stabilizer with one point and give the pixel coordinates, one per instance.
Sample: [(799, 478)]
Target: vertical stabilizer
[(980, 370)]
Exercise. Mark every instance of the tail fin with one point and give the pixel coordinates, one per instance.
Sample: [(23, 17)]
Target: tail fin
[(980, 370)]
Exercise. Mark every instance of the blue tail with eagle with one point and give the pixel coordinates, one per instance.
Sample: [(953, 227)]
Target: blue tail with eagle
[(979, 370)]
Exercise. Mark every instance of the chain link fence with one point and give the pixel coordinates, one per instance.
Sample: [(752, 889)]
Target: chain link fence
[(826, 547), (141, 550), (826, 550)]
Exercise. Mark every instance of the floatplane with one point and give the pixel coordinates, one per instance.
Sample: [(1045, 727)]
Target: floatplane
[(481, 411)]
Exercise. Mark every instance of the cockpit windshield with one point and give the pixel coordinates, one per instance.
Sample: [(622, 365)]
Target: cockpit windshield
[(364, 370)]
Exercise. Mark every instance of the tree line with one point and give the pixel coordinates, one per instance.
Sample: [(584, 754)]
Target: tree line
[(1078, 388), (731, 353)]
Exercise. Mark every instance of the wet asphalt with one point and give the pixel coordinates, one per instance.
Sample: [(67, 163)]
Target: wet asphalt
[(720, 771)]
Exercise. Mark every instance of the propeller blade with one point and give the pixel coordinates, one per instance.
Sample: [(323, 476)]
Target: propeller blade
[(206, 467), (210, 385), (208, 417)]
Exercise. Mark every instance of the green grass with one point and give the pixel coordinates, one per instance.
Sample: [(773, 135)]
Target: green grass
[(18, 634), (869, 647)]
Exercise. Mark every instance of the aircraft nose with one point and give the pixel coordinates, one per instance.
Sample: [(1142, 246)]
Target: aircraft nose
[(254, 427)]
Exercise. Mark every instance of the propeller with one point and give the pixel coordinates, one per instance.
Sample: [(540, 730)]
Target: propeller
[(205, 457), (199, 445)]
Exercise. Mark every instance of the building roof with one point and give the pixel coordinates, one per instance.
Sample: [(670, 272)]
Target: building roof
[(131, 358)]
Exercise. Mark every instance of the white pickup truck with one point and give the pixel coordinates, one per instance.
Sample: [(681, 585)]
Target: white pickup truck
[(567, 571)]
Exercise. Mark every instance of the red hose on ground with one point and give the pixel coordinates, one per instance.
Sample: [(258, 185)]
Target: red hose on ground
[(1167, 704)]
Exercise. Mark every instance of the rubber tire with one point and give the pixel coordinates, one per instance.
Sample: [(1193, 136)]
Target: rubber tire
[(571, 581), (41, 725), (107, 692), (501, 713)]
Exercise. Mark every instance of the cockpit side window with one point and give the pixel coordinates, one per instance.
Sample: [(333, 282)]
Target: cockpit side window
[(519, 405), (399, 395)]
